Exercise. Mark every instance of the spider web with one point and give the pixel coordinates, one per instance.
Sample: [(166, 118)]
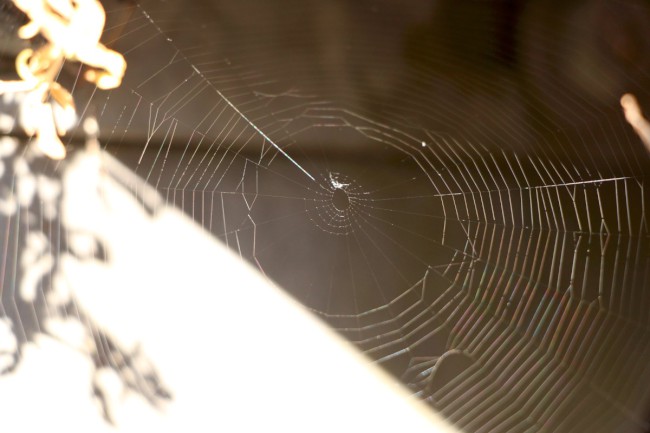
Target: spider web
[(493, 259)]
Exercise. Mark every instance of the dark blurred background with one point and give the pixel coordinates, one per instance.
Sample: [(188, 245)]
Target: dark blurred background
[(507, 74)]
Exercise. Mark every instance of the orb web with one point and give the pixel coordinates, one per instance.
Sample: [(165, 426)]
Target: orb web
[(494, 262)]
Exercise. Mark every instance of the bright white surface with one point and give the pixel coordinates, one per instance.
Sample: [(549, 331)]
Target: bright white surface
[(237, 353)]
